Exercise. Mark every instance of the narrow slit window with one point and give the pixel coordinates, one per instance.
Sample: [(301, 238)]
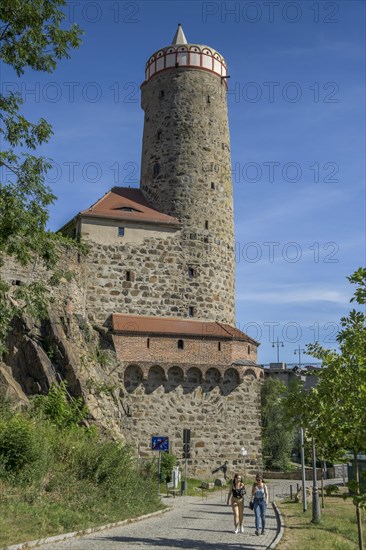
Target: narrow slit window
[(156, 169), (128, 276), (161, 94), (212, 185), (248, 350), (208, 99), (148, 343), (206, 224), (191, 311), (191, 272), (160, 134), (180, 344), (219, 346)]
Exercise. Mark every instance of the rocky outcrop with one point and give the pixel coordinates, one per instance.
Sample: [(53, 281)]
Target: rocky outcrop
[(64, 347)]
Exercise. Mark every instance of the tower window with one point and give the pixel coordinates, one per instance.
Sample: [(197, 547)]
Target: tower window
[(160, 133), (219, 346), (212, 185), (121, 231), (205, 239), (161, 93), (148, 342), (156, 169), (128, 276), (180, 344), (206, 224), (191, 311), (208, 99), (248, 350), (191, 272)]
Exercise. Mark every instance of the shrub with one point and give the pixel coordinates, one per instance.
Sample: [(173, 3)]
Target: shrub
[(168, 462), (17, 443), (331, 490), (59, 408)]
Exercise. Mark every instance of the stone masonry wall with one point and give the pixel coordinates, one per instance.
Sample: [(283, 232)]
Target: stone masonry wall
[(186, 169), (160, 281), (223, 415)]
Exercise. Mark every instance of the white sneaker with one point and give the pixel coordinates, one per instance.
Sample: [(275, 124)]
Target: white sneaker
[(242, 528), (236, 531)]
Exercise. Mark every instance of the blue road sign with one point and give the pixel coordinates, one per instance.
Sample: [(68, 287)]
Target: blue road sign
[(160, 443)]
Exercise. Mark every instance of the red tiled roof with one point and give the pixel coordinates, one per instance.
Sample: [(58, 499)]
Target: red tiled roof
[(118, 198), (176, 326)]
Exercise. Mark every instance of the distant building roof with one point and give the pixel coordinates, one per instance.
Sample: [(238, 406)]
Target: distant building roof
[(125, 204), (177, 326)]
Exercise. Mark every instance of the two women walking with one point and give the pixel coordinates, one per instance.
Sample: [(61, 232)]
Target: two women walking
[(258, 503)]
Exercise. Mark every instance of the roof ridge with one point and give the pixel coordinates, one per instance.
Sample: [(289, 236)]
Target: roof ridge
[(223, 327)]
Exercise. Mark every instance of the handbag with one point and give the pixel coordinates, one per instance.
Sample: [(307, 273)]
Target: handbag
[(251, 505)]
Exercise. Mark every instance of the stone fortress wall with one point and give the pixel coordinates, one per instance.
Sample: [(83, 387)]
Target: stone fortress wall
[(185, 271)]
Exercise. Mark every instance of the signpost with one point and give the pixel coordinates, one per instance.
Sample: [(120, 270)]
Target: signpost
[(159, 443)]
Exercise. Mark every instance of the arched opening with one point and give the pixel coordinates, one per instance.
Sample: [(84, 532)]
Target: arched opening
[(175, 378), (230, 381), (132, 378), (155, 379)]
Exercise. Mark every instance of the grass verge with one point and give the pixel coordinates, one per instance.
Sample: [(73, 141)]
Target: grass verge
[(337, 530)]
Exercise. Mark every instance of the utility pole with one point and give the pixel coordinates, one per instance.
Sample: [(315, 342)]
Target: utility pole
[(299, 351), (277, 343), (316, 505)]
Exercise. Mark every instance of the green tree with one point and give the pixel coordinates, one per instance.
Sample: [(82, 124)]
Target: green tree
[(31, 36), (334, 412), (277, 436)]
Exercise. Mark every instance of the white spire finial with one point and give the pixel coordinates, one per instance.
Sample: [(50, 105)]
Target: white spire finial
[(179, 37)]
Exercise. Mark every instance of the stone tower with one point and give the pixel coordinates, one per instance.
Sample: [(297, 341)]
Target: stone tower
[(186, 167)]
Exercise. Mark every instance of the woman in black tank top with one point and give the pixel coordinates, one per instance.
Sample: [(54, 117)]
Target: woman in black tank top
[(236, 494)]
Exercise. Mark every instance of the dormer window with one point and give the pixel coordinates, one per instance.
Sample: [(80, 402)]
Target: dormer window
[(127, 209)]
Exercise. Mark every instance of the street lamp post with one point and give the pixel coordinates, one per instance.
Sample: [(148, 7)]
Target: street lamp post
[(316, 517), (303, 477), (277, 343)]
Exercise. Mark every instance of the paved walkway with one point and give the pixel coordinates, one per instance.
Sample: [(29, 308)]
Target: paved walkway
[(193, 523)]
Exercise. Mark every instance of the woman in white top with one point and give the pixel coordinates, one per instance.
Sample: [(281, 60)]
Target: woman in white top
[(260, 502)]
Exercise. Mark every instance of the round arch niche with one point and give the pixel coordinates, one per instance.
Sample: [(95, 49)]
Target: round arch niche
[(175, 378), (193, 380), (155, 379), (212, 379), (230, 382), (132, 378)]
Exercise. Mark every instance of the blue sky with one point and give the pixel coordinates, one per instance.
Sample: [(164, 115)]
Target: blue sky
[(296, 112)]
